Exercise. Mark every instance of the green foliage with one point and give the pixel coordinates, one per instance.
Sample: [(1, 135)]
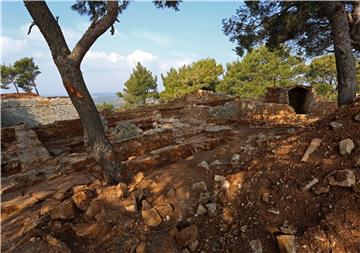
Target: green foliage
[(202, 74), (322, 76), (8, 76), (27, 72), (22, 74), (140, 86), (262, 68), (105, 106)]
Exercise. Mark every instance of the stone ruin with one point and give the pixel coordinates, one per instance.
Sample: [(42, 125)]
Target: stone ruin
[(302, 98)]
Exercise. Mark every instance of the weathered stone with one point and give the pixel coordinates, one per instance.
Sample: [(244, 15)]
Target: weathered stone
[(211, 207), (170, 193), (164, 210), (187, 235), (346, 146), (124, 131), (82, 199), (314, 144), (216, 128), (320, 189), (145, 204), (141, 248), (265, 197), (204, 165), (201, 210), (41, 195), (310, 184), (235, 158), (48, 205), (113, 193), (216, 163), (65, 210), (335, 125), (151, 217), (256, 246), (60, 195), (199, 186), (138, 177), (79, 188), (288, 229), (343, 178), (60, 246), (193, 246), (91, 230), (286, 243), (93, 209), (225, 184)]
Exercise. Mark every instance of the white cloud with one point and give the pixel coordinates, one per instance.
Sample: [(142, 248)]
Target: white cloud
[(141, 56), (154, 37), (10, 45)]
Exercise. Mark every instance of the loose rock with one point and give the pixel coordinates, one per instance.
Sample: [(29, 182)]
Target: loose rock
[(314, 144), (286, 243), (211, 207), (201, 210), (141, 248), (82, 199), (199, 186), (346, 146), (204, 164), (151, 217), (256, 246), (63, 211), (335, 125), (187, 235), (343, 178), (193, 246)]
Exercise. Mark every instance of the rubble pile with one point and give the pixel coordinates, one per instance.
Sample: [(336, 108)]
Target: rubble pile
[(198, 184)]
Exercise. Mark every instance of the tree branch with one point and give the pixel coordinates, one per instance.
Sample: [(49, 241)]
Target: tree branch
[(49, 28), (94, 31)]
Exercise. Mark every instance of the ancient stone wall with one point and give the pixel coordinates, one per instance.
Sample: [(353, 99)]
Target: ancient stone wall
[(35, 111)]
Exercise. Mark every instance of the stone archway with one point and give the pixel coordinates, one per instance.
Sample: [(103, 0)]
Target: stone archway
[(300, 99)]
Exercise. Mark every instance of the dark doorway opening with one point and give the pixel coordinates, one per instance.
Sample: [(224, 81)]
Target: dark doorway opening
[(298, 99)]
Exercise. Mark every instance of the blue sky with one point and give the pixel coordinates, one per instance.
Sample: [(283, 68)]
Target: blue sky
[(158, 38)]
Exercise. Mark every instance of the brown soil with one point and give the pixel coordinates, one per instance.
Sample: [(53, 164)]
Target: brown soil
[(18, 95), (260, 198)]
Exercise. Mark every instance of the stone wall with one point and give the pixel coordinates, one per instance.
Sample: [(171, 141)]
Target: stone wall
[(35, 111)]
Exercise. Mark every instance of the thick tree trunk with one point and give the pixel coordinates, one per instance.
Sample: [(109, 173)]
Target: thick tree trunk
[(96, 142), (17, 90), (345, 60)]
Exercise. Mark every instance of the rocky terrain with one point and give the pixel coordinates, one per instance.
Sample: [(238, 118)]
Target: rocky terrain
[(207, 173)]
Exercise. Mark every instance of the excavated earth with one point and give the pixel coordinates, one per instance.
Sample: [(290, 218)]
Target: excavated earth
[(197, 183)]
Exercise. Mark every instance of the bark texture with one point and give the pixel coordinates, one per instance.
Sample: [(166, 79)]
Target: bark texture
[(345, 60), (68, 64)]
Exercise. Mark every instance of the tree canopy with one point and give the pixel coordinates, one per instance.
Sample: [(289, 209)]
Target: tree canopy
[(311, 28), (262, 68), (202, 74), (140, 86), (21, 74)]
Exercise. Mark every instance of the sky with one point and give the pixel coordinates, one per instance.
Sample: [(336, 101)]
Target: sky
[(158, 38)]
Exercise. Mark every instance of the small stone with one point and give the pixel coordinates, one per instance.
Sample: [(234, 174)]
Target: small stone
[(145, 204), (112, 193), (60, 195), (171, 192), (273, 211), (286, 243), (346, 146), (235, 158), (204, 164), (130, 208), (216, 163), (141, 248), (138, 177), (320, 189), (187, 235), (243, 228), (342, 178), (204, 197), (219, 178), (308, 186), (199, 186), (82, 199), (357, 117), (223, 181), (256, 246), (164, 210), (288, 229), (266, 197), (314, 144), (193, 246), (79, 188), (48, 205), (335, 125), (61, 246), (211, 207), (201, 210), (63, 211), (93, 209), (151, 217)]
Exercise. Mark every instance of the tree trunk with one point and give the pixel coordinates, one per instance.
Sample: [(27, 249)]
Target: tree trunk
[(17, 90), (345, 60), (37, 92), (96, 144)]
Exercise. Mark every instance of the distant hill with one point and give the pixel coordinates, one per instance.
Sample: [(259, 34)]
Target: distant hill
[(107, 97)]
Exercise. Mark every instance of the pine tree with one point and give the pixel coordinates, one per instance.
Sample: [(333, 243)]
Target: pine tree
[(8, 76), (26, 73), (140, 86)]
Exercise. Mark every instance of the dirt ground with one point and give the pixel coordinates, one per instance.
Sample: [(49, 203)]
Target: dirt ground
[(230, 187)]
